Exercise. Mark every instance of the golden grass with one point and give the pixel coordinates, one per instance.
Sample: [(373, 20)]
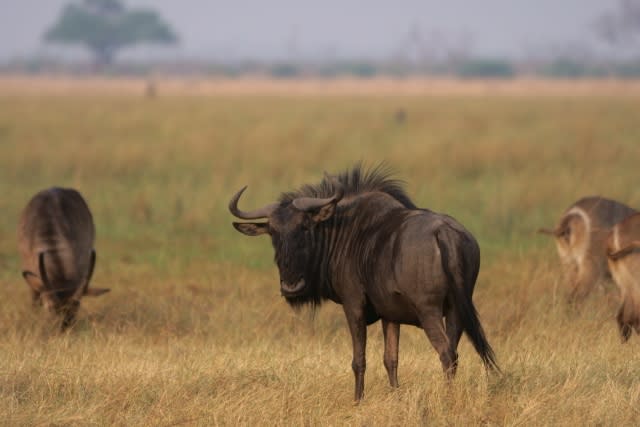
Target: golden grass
[(194, 331)]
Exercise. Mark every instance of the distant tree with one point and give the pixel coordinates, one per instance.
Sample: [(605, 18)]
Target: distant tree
[(106, 26), (284, 70), (622, 26), (567, 67), (485, 68)]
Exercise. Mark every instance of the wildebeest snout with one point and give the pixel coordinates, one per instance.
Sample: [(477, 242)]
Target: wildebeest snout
[(288, 289)]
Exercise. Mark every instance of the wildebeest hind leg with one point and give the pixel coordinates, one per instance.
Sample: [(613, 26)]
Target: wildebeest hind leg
[(431, 321), (391, 332), (454, 332)]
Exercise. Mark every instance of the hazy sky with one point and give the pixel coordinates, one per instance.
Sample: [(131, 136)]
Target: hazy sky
[(280, 29)]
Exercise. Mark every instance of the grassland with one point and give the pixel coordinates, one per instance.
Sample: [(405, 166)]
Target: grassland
[(194, 331)]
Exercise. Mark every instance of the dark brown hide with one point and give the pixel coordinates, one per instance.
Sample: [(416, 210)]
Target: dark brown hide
[(55, 239), (368, 247)]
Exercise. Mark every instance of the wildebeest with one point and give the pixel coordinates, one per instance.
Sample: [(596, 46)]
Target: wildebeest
[(623, 252), (358, 240), (580, 238), (55, 238)]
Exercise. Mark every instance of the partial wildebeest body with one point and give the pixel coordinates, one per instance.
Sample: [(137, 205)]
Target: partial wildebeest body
[(623, 252), (55, 238), (580, 239), (359, 241)]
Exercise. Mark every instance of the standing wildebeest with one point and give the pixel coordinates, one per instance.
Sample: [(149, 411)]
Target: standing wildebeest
[(359, 241), (623, 251), (580, 239), (55, 238)]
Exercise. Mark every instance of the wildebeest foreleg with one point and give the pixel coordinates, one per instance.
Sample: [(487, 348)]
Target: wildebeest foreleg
[(391, 332), (358, 329), (431, 322)]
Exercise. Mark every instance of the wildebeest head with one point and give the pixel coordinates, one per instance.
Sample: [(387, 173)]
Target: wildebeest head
[(59, 295), (289, 224)]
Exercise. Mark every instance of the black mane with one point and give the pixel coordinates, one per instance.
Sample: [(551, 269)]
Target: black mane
[(355, 181)]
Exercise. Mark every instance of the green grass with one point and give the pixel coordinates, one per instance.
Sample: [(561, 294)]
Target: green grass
[(194, 331)]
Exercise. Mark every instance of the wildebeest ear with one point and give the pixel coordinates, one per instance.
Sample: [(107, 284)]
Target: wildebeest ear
[(33, 280), (324, 213), (252, 228), (95, 292)]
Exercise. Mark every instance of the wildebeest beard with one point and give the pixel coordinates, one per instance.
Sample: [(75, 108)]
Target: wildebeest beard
[(301, 257)]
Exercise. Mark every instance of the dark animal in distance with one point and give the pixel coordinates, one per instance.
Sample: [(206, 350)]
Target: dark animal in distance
[(358, 240), (623, 254), (55, 239), (580, 238), (400, 116)]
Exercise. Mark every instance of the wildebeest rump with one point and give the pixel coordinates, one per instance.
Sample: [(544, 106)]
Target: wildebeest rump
[(580, 238), (55, 238), (358, 240), (623, 253)]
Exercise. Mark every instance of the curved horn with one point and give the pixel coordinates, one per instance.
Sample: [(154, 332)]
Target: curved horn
[(310, 203), (43, 271), (81, 290), (263, 212)]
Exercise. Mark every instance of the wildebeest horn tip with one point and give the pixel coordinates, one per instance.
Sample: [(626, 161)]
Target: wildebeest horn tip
[(258, 213), (310, 203)]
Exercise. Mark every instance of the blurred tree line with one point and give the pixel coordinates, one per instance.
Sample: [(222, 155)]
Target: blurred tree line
[(107, 27)]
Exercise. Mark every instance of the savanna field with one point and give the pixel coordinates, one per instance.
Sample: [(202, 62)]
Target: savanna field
[(194, 330)]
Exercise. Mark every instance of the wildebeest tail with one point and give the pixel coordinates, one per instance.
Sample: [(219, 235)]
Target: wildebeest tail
[(462, 273)]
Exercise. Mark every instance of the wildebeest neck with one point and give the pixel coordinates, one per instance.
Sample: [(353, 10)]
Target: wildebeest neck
[(375, 229)]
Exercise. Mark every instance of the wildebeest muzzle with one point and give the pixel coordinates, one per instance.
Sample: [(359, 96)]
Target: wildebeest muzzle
[(292, 290)]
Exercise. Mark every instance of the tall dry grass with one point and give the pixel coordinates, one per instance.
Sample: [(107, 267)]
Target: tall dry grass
[(194, 331)]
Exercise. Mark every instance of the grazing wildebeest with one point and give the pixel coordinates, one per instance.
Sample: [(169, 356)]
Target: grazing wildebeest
[(358, 240), (580, 238), (55, 239), (623, 252)]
